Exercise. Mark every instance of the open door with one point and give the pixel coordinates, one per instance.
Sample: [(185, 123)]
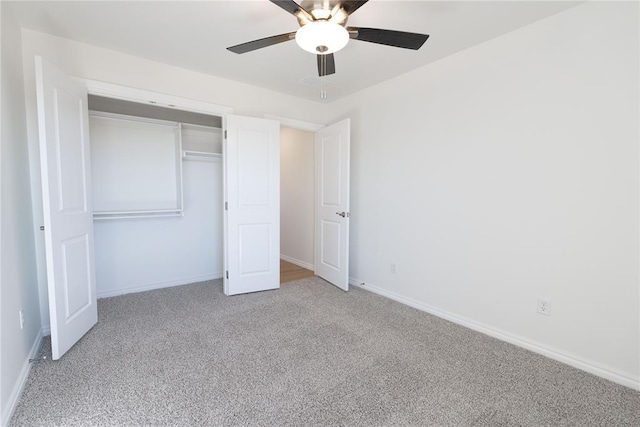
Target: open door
[(63, 124), (332, 203), (252, 207)]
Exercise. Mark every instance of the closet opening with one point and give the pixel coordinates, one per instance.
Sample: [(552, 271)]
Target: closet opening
[(157, 189)]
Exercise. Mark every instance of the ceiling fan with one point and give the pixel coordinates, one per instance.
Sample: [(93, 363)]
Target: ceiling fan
[(323, 31)]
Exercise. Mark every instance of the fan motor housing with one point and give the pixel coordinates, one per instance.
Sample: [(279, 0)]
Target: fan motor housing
[(323, 10)]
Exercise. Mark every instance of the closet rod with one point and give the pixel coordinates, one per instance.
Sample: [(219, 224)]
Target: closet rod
[(200, 155)]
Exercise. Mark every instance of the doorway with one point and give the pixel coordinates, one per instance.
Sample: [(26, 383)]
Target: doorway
[(315, 198), (157, 196), (297, 187)]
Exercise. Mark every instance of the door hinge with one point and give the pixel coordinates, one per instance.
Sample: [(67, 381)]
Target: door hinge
[(226, 206), (42, 228), (227, 274), (225, 134)]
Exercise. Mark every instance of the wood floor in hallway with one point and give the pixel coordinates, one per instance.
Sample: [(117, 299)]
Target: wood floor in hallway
[(290, 272)]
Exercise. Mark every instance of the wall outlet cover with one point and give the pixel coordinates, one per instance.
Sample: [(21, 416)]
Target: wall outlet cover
[(544, 306)]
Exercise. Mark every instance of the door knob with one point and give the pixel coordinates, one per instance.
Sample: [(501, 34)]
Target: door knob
[(343, 214)]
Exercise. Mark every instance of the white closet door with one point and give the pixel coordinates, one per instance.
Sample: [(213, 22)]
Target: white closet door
[(332, 203), (252, 190), (68, 218)]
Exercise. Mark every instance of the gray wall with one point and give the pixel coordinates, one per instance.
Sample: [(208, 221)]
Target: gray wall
[(18, 279)]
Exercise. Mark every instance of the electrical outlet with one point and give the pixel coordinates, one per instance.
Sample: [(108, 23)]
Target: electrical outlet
[(544, 306), (394, 268), (21, 312)]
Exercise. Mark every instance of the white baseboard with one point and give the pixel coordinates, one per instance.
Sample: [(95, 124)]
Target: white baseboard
[(18, 387), (554, 354), (298, 262), (152, 286)]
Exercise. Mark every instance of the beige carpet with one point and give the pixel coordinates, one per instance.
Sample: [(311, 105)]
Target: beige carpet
[(307, 354)]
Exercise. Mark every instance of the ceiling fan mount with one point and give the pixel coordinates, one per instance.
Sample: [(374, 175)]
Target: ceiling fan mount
[(322, 10), (323, 31)]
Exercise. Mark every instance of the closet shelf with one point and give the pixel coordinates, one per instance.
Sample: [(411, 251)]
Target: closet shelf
[(136, 214), (200, 155)]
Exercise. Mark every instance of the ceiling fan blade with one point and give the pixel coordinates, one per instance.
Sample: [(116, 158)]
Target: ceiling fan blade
[(326, 65), (293, 8), (352, 6), (388, 37), (259, 44)]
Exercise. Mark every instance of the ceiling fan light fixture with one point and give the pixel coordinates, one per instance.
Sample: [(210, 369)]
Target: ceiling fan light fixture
[(322, 37)]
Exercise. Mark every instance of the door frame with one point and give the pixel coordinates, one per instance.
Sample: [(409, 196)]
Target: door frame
[(124, 93), (314, 128), (308, 127), (296, 124)]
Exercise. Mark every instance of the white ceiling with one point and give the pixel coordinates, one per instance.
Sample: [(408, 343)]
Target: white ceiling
[(194, 35)]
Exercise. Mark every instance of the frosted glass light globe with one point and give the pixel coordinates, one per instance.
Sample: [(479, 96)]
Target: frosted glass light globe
[(322, 37)]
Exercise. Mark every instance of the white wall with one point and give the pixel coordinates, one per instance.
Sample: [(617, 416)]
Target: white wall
[(90, 62), (18, 281), (508, 172), (297, 196)]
